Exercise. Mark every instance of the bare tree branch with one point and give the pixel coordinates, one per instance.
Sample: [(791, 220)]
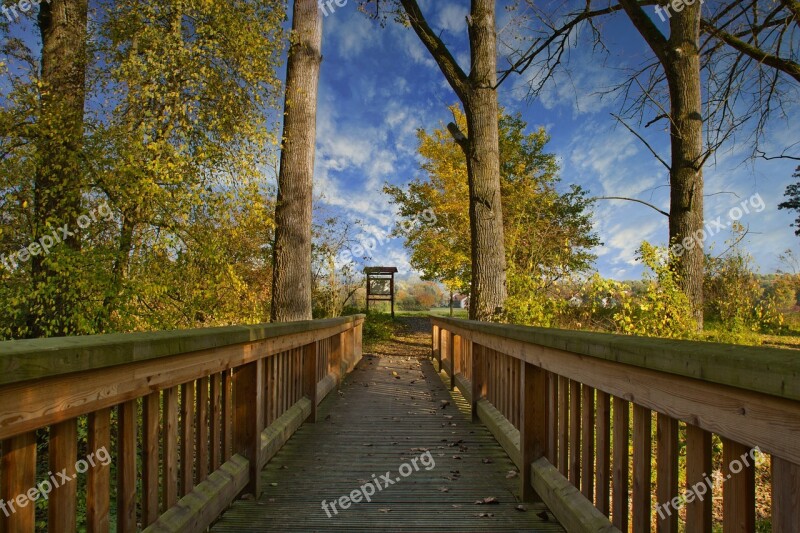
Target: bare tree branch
[(648, 204)]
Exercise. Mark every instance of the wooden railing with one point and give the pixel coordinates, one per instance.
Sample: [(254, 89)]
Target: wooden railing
[(176, 424), (560, 403)]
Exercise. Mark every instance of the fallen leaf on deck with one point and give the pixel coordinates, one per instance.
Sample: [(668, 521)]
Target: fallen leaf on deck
[(491, 500)]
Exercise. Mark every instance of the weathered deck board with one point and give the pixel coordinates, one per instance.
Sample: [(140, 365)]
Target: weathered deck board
[(375, 424)]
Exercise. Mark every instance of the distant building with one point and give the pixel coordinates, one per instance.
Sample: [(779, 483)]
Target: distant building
[(461, 301)]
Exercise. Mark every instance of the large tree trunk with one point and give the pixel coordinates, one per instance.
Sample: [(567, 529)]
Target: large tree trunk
[(485, 210), (478, 95), (57, 187), (291, 287), (679, 56), (686, 134)]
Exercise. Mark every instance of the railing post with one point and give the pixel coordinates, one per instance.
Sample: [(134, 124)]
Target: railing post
[(451, 355), (434, 340), (439, 351), (336, 357), (248, 390), (310, 355), (478, 378), (358, 341), (533, 422)]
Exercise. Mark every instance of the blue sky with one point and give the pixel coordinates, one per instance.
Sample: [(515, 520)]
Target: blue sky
[(379, 85)]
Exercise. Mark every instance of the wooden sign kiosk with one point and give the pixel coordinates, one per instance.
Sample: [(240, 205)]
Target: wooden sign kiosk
[(380, 285)]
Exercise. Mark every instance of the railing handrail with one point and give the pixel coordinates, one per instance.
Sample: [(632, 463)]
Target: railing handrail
[(23, 360), (203, 410), (772, 371)]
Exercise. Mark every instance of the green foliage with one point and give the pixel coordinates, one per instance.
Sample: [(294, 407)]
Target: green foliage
[(656, 308), (180, 131), (792, 203), (378, 327), (734, 298), (663, 310)]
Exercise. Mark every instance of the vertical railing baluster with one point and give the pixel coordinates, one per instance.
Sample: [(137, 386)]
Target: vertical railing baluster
[(533, 422), (63, 452), (169, 451), (642, 451), (738, 490), (150, 452), (785, 496), (587, 450), (698, 468), (98, 479), (575, 433), (478, 378), (216, 421), (603, 453), (126, 467), (621, 464), (17, 475), (666, 471), (187, 437), (201, 431), (248, 387)]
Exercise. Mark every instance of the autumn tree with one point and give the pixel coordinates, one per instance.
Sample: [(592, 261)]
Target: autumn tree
[(477, 92), (291, 289), (548, 233), (175, 146)]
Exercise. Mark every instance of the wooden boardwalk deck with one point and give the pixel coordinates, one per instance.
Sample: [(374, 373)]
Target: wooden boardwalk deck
[(389, 412)]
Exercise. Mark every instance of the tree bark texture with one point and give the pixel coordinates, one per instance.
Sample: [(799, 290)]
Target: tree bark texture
[(291, 287)]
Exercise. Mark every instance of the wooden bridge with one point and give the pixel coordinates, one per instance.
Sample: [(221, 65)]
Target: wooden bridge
[(286, 427)]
